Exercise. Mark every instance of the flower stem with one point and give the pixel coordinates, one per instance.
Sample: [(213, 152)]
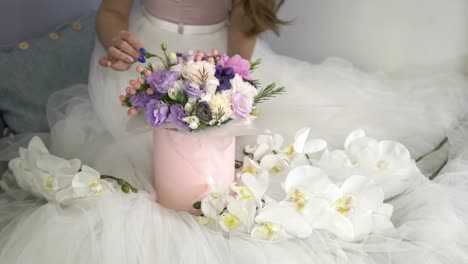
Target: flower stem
[(125, 186)]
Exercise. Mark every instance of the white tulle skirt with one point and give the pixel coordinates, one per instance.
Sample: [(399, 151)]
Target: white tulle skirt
[(332, 98)]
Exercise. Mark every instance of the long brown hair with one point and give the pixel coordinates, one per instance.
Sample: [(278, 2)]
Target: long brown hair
[(260, 16)]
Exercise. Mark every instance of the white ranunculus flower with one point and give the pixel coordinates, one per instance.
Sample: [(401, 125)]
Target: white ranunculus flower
[(305, 187), (39, 172), (201, 73), (355, 210), (238, 85)]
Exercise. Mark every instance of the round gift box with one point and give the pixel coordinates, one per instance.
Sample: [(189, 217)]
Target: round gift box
[(184, 163)]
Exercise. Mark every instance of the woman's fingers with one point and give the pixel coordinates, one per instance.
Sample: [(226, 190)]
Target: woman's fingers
[(105, 62), (132, 40), (125, 47), (118, 54)]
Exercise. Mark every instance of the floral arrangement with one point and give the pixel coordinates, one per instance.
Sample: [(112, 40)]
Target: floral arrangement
[(342, 192), (193, 90)]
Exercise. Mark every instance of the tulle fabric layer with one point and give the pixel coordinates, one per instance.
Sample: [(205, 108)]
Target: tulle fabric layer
[(333, 98)]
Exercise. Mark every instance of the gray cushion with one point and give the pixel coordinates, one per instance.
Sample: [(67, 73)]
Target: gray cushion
[(47, 65)]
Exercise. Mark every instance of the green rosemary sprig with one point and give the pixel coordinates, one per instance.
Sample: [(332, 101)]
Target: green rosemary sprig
[(268, 92)]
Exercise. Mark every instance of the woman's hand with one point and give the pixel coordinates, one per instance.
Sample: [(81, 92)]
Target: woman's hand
[(123, 52)]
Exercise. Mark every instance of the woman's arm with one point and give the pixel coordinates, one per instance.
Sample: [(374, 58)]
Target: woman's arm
[(238, 41), (112, 30)]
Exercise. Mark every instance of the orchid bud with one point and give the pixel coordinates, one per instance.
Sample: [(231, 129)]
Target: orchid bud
[(214, 52), (139, 69), (148, 73)]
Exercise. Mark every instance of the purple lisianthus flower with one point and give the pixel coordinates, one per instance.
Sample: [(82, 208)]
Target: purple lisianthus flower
[(223, 58), (239, 65), (140, 100), (162, 81), (224, 75), (176, 116), (241, 105), (193, 90), (156, 112)]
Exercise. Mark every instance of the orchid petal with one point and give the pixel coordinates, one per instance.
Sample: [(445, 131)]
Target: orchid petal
[(300, 139), (314, 146), (310, 179), (359, 133)]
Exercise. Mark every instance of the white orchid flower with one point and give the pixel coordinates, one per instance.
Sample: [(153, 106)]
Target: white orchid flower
[(266, 144), (41, 173), (388, 163), (305, 187), (85, 184), (239, 217), (88, 183), (274, 164), (251, 167), (303, 145), (215, 202), (355, 210), (277, 221)]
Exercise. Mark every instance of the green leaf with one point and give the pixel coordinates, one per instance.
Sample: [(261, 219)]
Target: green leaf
[(127, 102), (166, 99), (182, 98), (268, 92)]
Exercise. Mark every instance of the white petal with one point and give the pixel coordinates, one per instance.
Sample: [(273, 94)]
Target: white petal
[(278, 141), (362, 225), (244, 211), (278, 233), (385, 210), (300, 139), (369, 195), (314, 146), (261, 151), (287, 217), (257, 184), (336, 224), (307, 178), (64, 195), (359, 133), (37, 146), (264, 139), (394, 149), (382, 224), (91, 171)]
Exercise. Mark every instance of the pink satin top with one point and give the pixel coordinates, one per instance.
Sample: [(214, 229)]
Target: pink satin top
[(189, 12)]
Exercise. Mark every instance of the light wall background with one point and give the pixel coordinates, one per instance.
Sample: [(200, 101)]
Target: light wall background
[(387, 35)]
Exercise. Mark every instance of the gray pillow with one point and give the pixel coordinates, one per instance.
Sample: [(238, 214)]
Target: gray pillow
[(35, 69)]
